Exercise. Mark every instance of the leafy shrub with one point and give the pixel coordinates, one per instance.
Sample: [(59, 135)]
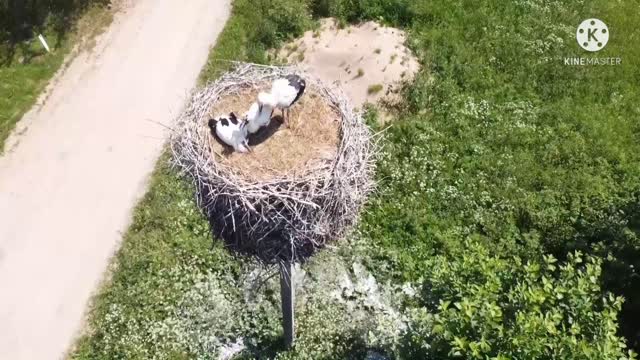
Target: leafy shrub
[(273, 21), (487, 307), (256, 27), (397, 12)]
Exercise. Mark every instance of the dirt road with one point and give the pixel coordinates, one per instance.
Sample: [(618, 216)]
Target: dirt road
[(68, 186)]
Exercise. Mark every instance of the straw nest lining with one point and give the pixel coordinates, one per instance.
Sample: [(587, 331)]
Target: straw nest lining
[(312, 135), (286, 215)]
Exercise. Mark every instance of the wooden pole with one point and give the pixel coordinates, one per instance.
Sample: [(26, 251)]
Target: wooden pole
[(287, 293)]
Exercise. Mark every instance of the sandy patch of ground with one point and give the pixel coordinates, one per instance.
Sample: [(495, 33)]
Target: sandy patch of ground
[(369, 61)]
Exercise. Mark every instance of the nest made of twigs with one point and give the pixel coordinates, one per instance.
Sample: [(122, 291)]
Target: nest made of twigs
[(283, 215)]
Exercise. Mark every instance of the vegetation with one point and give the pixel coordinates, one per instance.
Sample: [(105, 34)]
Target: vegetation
[(374, 89), (506, 225), (23, 20), (165, 255), (502, 144), (484, 306), (25, 67), (253, 28)]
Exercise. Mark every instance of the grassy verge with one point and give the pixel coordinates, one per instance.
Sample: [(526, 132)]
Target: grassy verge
[(502, 157), (26, 70)]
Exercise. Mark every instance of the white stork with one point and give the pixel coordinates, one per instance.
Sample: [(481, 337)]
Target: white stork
[(231, 131), (260, 112), (287, 91)]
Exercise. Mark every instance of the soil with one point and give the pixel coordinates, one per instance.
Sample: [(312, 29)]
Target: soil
[(369, 61)]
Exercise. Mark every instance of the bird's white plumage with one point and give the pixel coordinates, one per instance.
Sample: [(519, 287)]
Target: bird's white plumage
[(252, 118), (260, 112), (284, 93), (234, 135)]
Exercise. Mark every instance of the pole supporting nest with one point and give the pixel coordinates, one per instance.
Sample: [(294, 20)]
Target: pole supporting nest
[(287, 294)]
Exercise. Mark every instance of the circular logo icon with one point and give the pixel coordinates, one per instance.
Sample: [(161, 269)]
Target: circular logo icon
[(592, 34)]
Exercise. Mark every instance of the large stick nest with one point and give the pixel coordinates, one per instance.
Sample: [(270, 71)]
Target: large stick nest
[(288, 216)]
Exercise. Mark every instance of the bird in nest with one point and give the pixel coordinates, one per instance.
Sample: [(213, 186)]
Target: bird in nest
[(286, 92), (260, 112), (231, 131)]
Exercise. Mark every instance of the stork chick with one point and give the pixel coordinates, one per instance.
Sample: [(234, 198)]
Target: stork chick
[(287, 91), (260, 112), (231, 131)]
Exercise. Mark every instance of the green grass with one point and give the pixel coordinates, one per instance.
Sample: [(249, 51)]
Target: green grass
[(21, 84), (500, 151), (168, 277), (247, 34), (26, 73), (167, 232), (505, 145)]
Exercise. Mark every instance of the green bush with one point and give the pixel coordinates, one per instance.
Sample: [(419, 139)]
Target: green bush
[(256, 27), (479, 306), (397, 12)]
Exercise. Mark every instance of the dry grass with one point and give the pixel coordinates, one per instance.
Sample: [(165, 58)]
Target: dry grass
[(277, 150)]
